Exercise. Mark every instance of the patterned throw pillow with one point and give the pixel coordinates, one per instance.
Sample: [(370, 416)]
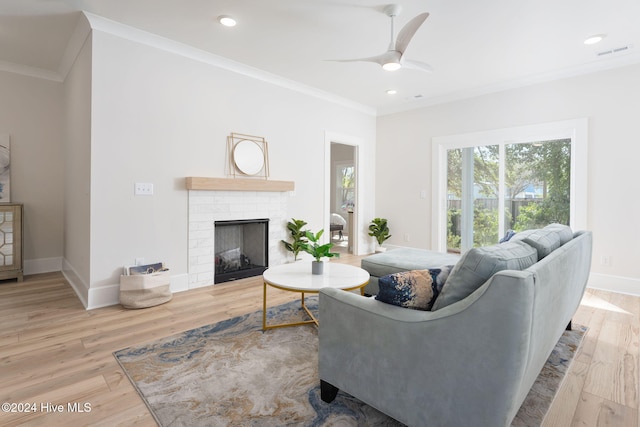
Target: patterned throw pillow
[(416, 289)]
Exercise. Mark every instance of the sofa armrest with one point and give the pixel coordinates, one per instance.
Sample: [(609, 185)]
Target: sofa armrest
[(417, 366)]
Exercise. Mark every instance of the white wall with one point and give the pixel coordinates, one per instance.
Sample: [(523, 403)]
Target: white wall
[(31, 111), (610, 100), (159, 117), (77, 176)]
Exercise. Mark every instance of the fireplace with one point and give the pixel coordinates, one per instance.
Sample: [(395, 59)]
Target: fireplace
[(208, 206), (241, 249)]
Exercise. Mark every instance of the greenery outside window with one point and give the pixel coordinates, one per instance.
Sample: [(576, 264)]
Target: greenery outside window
[(346, 187), (509, 179)]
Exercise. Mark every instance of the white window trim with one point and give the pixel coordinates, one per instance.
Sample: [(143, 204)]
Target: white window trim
[(576, 130)]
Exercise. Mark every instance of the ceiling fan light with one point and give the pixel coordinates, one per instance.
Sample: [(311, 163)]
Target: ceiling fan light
[(391, 66), (596, 38), (227, 21)]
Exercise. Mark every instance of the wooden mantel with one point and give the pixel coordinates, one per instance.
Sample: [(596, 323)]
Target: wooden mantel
[(237, 184)]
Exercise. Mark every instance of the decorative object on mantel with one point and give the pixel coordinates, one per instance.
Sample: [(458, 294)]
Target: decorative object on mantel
[(380, 230), (298, 237), (248, 155), (318, 251)]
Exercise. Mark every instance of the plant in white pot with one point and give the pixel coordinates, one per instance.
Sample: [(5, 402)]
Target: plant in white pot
[(380, 230), (318, 251)]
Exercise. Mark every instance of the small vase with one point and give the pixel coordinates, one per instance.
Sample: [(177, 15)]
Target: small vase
[(380, 249), (317, 267)]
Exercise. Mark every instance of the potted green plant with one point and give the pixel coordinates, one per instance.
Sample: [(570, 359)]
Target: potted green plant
[(318, 251), (380, 230), (298, 237)]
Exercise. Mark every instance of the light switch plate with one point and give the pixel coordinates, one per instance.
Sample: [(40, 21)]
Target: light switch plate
[(143, 189)]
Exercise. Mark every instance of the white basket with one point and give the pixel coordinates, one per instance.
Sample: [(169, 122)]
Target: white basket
[(145, 290)]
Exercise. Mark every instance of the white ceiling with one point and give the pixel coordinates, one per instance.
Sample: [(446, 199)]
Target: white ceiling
[(474, 46)]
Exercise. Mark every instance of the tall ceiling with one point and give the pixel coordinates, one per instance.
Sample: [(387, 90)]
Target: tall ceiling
[(474, 47)]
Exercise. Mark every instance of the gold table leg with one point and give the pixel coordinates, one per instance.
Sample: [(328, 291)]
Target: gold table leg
[(264, 307), (282, 325)]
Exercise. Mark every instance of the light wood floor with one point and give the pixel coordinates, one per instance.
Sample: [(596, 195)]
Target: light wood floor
[(54, 351)]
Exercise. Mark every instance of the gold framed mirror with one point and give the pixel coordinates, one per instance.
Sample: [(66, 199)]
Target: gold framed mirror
[(247, 155)]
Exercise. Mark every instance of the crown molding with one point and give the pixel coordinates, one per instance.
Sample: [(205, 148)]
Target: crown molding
[(25, 70), (74, 46), (153, 40)]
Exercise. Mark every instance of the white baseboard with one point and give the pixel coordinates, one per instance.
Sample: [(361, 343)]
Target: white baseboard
[(42, 265), (109, 295), (180, 282), (80, 287), (622, 285), (104, 296)]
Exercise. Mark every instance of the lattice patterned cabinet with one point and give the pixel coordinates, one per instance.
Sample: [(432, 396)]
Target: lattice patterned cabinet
[(11, 241)]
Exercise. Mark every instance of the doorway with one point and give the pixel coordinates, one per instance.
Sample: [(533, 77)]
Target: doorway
[(342, 199), (344, 150)]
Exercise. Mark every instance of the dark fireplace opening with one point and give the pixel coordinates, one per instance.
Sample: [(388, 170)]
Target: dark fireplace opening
[(241, 249)]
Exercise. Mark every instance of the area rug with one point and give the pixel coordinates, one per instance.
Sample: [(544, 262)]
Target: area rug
[(233, 374)]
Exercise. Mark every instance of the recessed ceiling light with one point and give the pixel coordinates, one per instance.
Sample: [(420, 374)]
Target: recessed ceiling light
[(596, 38), (227, 21), (391, 92)]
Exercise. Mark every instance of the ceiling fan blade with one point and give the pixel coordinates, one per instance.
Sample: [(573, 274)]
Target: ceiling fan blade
[(417, 65), (371, 59), (406, 34), (378, 59)]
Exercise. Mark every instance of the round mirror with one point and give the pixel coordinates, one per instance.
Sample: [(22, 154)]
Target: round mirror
[(248, 157)]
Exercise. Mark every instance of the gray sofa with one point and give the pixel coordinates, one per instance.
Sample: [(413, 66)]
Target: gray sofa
[(402, 259), (471, 361)]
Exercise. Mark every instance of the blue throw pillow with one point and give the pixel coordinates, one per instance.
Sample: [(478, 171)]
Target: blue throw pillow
[(508, 235), (416, 289)]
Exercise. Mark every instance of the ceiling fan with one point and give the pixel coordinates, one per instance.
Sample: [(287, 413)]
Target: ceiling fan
[(393, 59)]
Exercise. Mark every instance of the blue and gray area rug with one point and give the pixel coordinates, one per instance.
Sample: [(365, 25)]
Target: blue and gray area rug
[(233, 374)]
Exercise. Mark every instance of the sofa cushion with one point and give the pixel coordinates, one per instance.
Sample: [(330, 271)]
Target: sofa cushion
[(477, 265), (406, 259), (416, 289), (564, 232), (543, 240)]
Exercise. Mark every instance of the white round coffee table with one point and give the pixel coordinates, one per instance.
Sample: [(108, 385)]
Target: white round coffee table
[(297, 277)]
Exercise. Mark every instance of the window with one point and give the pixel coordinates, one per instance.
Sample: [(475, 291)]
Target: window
[(345, 187), (510, 179)]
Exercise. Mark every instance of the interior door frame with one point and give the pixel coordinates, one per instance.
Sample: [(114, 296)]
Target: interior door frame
[(356, 142)]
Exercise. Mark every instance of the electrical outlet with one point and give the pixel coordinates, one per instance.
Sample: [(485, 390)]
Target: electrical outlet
[(605, 260), (406, 237), (143, 189)]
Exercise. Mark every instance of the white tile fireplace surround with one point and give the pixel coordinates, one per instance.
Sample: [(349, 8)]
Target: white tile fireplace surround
[(206, 207)]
